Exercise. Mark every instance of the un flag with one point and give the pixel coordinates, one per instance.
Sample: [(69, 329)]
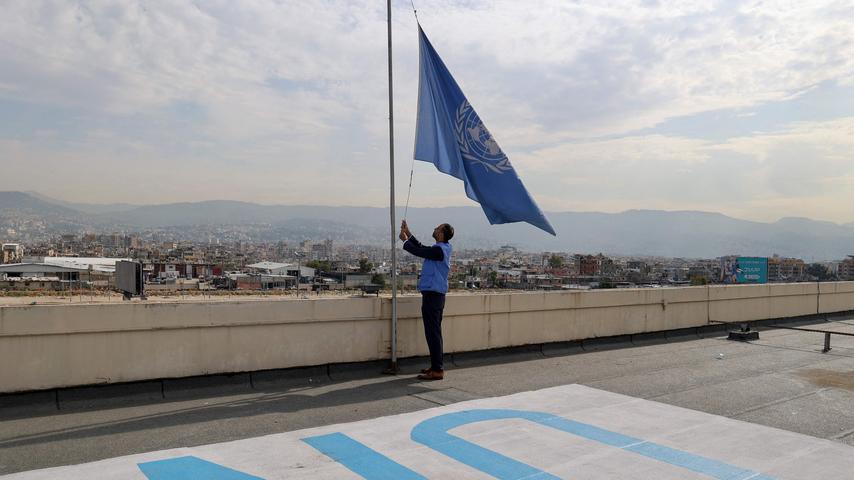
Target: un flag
[(450, 135)]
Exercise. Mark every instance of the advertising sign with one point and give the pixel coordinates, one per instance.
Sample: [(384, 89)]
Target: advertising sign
[(744, 270), (752, 270)]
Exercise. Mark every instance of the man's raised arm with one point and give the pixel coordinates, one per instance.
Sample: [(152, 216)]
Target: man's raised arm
[(413, 246)]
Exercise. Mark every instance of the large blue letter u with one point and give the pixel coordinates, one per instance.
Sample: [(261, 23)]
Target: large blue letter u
[(434, 434)]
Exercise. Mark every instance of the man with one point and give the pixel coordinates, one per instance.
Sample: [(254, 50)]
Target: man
[(433, 286)]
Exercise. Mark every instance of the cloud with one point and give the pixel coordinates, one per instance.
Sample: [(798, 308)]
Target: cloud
[(275, 101), (803, 169), (576, 70), (131, 58)]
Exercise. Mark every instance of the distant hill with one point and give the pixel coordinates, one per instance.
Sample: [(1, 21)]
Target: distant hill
[(94, 208), (28, 203), (635, 232)]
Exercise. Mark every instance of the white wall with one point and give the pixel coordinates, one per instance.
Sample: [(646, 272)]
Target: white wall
[(66, 345)]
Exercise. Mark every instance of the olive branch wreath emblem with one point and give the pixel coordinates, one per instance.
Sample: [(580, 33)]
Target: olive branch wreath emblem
[(500, 166)]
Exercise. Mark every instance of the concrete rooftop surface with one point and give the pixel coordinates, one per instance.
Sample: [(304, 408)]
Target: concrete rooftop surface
[(782, 380)]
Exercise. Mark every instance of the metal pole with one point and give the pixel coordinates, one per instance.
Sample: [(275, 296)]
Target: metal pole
[(393, 367)]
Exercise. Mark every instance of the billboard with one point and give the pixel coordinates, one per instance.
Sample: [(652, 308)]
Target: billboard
[(744, 269), (129, 278)]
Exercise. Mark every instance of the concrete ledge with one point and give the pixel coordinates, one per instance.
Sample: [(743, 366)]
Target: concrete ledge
[(606, 343), (61, 346), (36, 403), (849, 315), (497, 355), (559, 349), (356, 370), (712, 331), (106, 396), (766, 323), (287, 378), (651, 338), (795, 321), (208, 385), (682, 334), (23, 405)]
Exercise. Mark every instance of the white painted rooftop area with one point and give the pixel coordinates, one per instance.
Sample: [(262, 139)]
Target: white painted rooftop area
[(103, 264), (570, 431)]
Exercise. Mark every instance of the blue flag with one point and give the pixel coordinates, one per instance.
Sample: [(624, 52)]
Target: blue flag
[(450, 135)]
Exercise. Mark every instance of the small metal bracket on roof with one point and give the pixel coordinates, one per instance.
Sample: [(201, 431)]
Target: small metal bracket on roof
[(744, 334)]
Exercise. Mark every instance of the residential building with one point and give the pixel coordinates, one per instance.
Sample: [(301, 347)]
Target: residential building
[(785, 269), (12, 252), (846, 268)]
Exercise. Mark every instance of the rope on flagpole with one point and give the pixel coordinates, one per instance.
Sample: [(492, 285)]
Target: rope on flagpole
[(408, 193)]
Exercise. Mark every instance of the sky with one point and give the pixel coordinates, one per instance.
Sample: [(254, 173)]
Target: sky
[(739, 107)]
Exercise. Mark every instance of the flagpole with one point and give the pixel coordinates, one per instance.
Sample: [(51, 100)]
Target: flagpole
[(393, 366)]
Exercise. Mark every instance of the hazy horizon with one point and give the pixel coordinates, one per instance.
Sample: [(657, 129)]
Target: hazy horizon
[(401, 206)]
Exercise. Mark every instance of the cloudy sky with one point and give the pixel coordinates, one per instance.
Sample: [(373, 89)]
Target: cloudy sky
[(739, 107)]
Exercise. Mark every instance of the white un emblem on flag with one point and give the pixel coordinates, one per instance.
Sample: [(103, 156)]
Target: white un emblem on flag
[(476, 143)]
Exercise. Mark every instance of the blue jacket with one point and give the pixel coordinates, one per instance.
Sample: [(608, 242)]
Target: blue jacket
[(437, 264)]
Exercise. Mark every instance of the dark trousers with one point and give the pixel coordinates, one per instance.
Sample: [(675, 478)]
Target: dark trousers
[(432, 305)]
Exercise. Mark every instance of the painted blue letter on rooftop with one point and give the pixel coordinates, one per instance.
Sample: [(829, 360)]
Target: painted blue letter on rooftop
[(362, 460), (433, 433), (191, 468)]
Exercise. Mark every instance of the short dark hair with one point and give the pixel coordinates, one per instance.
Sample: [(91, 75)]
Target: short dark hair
[(447, 231)]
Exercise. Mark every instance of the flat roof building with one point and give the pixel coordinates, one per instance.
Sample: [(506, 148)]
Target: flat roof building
[(39, 270)]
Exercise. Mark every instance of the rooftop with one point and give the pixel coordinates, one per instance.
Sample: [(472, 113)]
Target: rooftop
[(782, 381), (85, 261), (269, 265)]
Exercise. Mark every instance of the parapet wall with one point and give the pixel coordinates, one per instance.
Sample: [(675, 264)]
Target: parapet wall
[(69, 345)]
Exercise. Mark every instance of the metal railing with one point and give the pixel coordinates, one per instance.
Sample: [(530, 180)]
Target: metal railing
[(827, 334), (745, 327)]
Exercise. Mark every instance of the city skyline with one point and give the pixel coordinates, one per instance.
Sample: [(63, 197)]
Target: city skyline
[(743, 110), (25, 217)]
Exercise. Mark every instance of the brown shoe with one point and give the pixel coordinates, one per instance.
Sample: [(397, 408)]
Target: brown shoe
[(432, 375), (425, 370)]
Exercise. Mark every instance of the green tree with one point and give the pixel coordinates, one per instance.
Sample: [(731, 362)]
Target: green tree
[(323, 266), (365, 266), (493, 278), (555, 261), (378, 279), (819, 271), (699, 280)]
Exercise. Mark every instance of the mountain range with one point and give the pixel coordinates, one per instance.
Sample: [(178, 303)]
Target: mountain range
[(690, 234)]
